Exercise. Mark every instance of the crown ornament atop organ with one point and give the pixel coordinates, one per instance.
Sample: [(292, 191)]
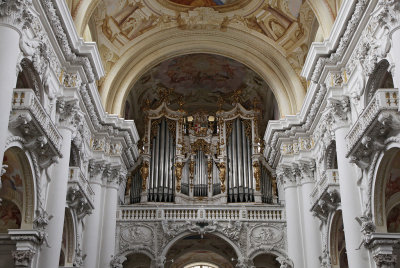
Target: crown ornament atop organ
[(206, 157)]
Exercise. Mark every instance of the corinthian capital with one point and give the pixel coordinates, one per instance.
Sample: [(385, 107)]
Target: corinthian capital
[(69, 113), (338, 112), (385, 260), (16, 13), (388, 13)]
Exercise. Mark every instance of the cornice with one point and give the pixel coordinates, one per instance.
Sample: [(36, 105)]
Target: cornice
[(79, 53), (307, 119)]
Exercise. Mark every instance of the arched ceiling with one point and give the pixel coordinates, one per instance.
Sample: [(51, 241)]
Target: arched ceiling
[(195, 248), (201, 81), (272, 37)]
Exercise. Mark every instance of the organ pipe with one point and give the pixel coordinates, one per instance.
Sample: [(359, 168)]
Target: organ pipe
[(162, 160), (240, 181)]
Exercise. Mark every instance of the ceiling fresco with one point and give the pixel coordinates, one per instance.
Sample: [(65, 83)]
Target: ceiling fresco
[(201, 81), (204, 3)]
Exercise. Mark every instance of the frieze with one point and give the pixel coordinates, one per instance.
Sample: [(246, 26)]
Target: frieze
[(139, 234), (265, 235)]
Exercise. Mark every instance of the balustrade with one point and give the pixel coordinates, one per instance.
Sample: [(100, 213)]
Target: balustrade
[(25, 101), (385, 102), (236, 213)]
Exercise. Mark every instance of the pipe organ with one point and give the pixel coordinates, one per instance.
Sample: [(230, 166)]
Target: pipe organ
[(201, 157)]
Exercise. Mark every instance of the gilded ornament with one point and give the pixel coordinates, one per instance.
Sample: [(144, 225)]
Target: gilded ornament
[(257, 174), (222, 175), (178, 173), (145, 174)]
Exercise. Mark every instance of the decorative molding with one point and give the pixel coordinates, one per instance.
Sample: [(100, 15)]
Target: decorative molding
[(16, 13), (23, 258), (369, 131)]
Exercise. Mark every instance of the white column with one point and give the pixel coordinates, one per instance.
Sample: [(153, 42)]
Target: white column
[(294, 233), (49, 256), (92, 233), (9, 52), (395, 55), (109, 222), (351, 204), (312, 237)]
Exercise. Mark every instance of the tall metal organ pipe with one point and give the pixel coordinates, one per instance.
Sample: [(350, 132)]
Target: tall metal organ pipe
[(240, 180), (163, 152)]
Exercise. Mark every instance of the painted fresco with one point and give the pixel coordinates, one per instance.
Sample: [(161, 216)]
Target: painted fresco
[(193, 75), (393, 183), (200, 80), (12, 181), (204, 3), (10, 216), (393, 220)]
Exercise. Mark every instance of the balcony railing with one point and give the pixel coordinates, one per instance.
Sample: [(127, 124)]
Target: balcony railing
[(174, 213), (76, 177), (325, 195), (25, 100), (383, 100)]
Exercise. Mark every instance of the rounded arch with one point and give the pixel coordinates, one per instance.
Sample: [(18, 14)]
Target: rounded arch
[(68, 244), (137, 250), (137, 260), (380, 78), (259, 251), (179, 237), (336, 240), (381, 177), (19, 173), (252, 49)]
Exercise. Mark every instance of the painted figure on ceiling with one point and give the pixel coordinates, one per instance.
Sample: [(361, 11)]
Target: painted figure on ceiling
[(203, 3)]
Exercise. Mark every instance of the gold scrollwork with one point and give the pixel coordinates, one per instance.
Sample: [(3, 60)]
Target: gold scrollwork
[(178, 173), (144, 170), (257, 174), (222, 174), (200, 145)]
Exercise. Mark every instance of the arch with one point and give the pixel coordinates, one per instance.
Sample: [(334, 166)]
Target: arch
[(252, 49), (137, 260), (19, 172), (325, 15), (380, 78), (266, 260), (137, 250), (177, 238), (336, 241), (82, 14), (382, 175), (273, 251), (68, 244)]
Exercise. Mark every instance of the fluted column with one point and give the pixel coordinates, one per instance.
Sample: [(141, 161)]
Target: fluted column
[(107, 250), (14, 15), (92, 234), (350, 199), (312, 237), (69, 118), (294, 232)]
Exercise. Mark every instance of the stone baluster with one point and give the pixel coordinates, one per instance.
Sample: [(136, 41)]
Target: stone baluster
[(107, 250), (338, 118), (70, 119)]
